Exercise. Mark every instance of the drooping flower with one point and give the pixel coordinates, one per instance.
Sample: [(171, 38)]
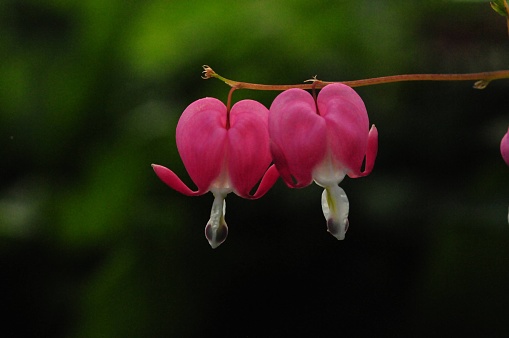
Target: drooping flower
[(223, 152), (504, 147), (323, 140)]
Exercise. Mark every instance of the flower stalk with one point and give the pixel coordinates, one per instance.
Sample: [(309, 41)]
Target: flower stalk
[(482, 79)]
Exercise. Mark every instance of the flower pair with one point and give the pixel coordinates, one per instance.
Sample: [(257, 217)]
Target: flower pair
[(227, 150)]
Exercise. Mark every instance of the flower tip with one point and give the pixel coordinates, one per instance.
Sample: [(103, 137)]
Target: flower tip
[(160, 170), (337, 229), (171, 179), (207, 72), (217, 236), (335, 207)]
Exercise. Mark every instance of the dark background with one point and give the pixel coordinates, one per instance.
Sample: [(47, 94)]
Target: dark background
[(92, 244)]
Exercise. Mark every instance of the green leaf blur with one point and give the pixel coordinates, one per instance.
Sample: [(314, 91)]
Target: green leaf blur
[(499, 7)]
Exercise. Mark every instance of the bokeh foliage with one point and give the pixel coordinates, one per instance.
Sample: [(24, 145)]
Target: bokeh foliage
[(94, 245)]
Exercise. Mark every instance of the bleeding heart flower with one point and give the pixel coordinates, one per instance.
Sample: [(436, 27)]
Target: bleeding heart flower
[(323, 140), (504, 147), (223, 152)]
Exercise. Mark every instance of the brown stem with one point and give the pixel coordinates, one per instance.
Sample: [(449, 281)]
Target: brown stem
[(228, 107), (313, 90), (482, 80)]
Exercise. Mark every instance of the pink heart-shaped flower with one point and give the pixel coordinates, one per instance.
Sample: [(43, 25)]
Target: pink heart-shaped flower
[(223, 152), (323, 140)]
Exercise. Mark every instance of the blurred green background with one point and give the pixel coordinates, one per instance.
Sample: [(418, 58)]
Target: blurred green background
[(92, 244)]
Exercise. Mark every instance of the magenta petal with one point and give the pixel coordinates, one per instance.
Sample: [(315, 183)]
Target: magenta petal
[(347, 124), (248, 145), (298, 135), (337, 94), (201, 140), (268, 180), (372, 150), (172, 180), (371, 153), (504, 147), (282, 165)]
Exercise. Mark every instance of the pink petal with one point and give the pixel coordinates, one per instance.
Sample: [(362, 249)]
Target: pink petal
[(248, 145), (202, 139), (281, 164), (298, 135), (347, 124), (504, 147), (268, 180), (371, 153), (172, 180)]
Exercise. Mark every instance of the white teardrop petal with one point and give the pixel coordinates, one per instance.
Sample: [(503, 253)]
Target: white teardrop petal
[(335, 208), (216, 229)]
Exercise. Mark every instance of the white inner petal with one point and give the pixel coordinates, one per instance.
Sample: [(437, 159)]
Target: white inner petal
[(335, 208), (329, 172), (216, 229), (222, 184)]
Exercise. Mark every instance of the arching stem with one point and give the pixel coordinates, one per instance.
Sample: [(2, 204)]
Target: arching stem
[(482, 79)]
